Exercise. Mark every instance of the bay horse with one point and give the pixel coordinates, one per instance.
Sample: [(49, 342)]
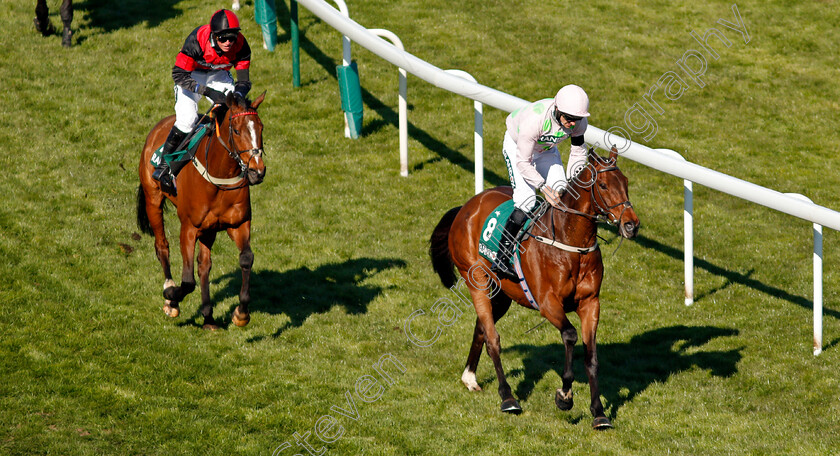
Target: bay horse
[(563, 277), (213, 195)]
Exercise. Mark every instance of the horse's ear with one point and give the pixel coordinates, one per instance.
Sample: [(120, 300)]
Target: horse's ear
[(217, 109), (259, 100), (613, 153), (591, 153)]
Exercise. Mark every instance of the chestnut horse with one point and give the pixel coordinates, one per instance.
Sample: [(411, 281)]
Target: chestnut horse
[(213, 195), (561, 264)]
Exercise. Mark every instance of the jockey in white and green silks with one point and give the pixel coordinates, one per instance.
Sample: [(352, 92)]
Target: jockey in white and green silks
[(533, 162)]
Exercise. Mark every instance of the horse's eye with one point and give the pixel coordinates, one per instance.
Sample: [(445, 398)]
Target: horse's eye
[(236, 131), (602, 185)]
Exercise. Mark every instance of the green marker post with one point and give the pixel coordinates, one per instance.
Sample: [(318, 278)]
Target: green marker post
[(265, 13), (295, 44)]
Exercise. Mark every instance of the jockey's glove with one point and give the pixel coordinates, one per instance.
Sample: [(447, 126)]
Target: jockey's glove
[(213, 94)]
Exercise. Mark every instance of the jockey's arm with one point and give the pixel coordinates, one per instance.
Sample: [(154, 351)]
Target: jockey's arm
[(243, 82), (184, 79), (525, 161), (577, 157)]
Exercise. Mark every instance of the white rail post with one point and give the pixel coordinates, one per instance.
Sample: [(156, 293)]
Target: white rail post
[(403, 103), (818, 282), (345, 52), (818, 288), (345, 40), (688, 230), (478, 136)]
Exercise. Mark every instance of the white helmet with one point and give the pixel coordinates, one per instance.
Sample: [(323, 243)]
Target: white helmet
[(572, 100)]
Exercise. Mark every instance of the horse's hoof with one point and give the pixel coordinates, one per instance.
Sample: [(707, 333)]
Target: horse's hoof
[(601, 423), (240, 319), (511, 405), (210, 326), (171, 311), (564, 401)]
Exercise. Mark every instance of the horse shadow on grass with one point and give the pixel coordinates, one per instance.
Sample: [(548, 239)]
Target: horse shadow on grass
[(627, 369), (302, 292)]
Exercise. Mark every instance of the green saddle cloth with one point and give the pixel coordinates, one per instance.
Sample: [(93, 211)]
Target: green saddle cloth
[(494, 226), (179, 155)]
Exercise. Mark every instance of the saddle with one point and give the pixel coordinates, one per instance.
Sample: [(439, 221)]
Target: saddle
[(491, 235), (494, 226), (184, 153)]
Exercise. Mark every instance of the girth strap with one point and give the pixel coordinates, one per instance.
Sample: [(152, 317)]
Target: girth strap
[(565, 247), (522, 283), (215, 180)]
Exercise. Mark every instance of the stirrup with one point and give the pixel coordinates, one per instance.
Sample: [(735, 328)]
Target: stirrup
[(157, 173), (167, 183), (504, 271)]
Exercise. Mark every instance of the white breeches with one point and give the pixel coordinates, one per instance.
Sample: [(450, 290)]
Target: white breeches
[(186, 103), (548, 164)]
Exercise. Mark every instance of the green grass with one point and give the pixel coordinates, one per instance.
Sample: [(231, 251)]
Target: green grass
[(91, 365)]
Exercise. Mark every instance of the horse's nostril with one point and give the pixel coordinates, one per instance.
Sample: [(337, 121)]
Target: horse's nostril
[(256, 176)]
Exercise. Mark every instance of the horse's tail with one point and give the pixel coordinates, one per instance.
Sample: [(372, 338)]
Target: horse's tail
[(439, 248), (142, 216)]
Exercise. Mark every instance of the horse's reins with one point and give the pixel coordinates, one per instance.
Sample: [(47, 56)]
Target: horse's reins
[(603, 214), (234, 182)]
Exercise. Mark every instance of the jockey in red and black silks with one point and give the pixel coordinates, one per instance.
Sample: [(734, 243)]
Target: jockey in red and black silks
[(202, 68)]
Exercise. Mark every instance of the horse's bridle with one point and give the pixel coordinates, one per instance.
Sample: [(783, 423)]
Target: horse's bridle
[(603, 212), (234, 153)]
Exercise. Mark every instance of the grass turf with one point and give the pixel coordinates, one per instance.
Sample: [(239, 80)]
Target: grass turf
[(92, 366)]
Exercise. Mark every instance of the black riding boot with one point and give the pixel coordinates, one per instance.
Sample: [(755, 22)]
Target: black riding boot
[(67, 19), (501, 267), (162, 172), (42, 19)]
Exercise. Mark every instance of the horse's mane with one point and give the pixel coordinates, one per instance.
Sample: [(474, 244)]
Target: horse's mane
[(242, 101), (237, 100), (596, 162)]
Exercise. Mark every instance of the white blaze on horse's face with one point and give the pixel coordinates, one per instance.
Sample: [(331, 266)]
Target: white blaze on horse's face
[(254, 145)]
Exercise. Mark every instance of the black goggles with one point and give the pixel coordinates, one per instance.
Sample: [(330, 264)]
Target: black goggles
[(226, 38), (568, 117)]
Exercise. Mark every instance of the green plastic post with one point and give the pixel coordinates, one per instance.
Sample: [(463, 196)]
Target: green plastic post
[(350, 90), (295, 44), (265, 13)]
